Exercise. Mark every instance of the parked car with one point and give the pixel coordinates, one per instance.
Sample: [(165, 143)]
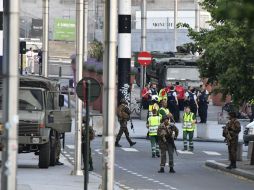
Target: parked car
[(248, 134)]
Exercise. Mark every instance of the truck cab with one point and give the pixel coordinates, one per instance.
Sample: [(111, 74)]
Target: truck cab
[(42, 118)]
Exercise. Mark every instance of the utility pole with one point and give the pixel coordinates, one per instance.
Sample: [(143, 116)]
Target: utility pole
[(143, 44), (197, 16), (175, 23), (85, 29), (10, 94), (124, 49), (109, 93), (79, 66), (45, 38)]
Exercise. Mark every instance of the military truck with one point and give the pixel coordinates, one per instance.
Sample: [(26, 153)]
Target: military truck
[(180, 67), (42, 118)]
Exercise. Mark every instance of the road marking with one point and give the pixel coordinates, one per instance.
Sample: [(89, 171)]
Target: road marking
[(70, 146), (212, 153), (130, 149), (184, 152)]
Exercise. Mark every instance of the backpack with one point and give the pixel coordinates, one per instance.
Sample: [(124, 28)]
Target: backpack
[(123, 112)]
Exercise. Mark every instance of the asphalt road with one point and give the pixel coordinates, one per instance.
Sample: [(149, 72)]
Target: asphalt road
[(136, 169)]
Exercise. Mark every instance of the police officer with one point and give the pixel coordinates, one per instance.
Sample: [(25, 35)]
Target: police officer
[(191, 100), (91, 137), (152, 125), (203, 104), (189, 124), (231, 132), (123, 113), (173, 103), (167, 133)]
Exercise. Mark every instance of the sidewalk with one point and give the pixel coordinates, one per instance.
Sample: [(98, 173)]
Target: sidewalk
[(244, 169), (30, 177)]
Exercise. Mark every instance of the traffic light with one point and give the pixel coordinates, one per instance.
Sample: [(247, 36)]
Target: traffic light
[(22, 47)]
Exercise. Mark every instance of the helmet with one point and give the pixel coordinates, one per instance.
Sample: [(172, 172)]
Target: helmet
[(155, 98)]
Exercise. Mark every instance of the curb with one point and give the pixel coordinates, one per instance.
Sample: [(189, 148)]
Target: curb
[(222, 167)]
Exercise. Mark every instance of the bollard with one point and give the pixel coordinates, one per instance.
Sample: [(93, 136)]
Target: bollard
[(250, 148), (239, 154)]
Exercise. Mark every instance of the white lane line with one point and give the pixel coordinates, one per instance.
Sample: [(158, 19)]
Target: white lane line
[(184, 152), (130, 149), (211, 153), (70, 146)]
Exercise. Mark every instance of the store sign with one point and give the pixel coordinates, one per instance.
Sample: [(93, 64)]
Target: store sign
[(165, 19), (36, 28), (64, 29)]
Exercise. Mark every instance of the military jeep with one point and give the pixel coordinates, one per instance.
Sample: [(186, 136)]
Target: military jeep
[(42, 118)]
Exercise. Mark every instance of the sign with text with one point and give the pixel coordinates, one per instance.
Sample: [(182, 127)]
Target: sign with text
[(64, 29), (144, 58)]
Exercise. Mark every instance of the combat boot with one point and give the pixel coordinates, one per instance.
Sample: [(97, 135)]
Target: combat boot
[(91, 168), (117, 144), (132, 144), (230, 166), (161, 170), (233, 165), (171, 170)]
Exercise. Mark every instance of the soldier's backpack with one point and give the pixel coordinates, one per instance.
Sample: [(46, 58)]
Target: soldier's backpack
[(122, 112)]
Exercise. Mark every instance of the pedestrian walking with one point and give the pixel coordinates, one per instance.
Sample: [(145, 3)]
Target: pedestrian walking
[(173, 103), (203, 104), (167, 133), (91, 137), (30, 60), (191, 100), (189, 125), (40, 61), (231, 132), (123, 113), (180, 95), (152, 125)]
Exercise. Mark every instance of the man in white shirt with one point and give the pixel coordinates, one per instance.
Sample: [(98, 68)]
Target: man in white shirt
[(30, 60)]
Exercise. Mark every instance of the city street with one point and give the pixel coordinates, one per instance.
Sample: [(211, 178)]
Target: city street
[(136, 169)]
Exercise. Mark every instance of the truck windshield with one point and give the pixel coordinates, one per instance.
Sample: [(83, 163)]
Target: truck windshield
[(183, 73), (29, 99)]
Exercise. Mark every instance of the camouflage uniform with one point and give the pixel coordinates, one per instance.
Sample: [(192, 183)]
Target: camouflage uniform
[(123, 113), (231, 132), (166, 142), (58, 149), (91, 137)]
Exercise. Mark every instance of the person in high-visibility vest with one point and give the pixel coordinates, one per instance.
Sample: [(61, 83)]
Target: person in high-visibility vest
[(189, 125), (163, 94), (164, 111), (152, 125)]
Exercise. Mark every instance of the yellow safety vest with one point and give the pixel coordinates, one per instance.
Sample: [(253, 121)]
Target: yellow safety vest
[(151, 107), (154, 122), (165, 110), (187, 122), (163, 97)]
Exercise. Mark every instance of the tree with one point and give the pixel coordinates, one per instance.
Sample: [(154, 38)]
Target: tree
[(228, 49), (227, 57)]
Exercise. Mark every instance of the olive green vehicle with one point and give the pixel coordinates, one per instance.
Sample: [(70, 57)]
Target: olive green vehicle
[(42, 118), (170, 67)]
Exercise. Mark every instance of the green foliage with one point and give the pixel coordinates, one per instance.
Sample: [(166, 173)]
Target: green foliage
[(228, 49), (96, 50)]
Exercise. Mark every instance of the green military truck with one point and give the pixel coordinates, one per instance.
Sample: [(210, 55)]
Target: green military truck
[(42, 118)]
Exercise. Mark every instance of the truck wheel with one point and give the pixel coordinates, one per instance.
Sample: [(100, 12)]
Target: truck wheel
[(52, 149), (44, 155)]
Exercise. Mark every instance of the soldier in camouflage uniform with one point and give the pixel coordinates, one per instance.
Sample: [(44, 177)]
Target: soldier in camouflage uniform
[(123, 113), (58, 149), (230, 132), (167, 133), (91, 137)]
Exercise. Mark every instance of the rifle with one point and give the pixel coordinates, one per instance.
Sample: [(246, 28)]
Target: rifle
[(132, 126), (171, 140), (226, 134)]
